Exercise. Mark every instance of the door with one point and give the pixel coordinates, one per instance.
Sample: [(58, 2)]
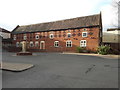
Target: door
[(42, 45)]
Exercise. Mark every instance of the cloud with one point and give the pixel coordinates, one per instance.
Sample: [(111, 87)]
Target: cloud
[(109, 17), (22, 12)]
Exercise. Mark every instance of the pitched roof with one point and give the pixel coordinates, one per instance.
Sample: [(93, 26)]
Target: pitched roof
[(4, 30), (86, 21), (113, 29)]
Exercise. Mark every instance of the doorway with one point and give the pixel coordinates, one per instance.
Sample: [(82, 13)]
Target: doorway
[(42, 45)]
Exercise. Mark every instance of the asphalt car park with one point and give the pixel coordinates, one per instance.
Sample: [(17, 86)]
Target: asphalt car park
[(58, 70)]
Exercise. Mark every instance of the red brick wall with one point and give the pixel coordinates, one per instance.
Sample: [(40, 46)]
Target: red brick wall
[(92, 40)]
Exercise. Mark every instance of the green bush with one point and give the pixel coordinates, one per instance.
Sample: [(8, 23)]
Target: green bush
[(80, 49), (103, 49)]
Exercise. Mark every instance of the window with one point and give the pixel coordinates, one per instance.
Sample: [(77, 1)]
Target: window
[(36, 44), (83, 43), (84, 34), (37, 36), (25, 37), (14, 37), (56, 44), (31, 44), (69, 35), (84, 29), (68, 43), (51, 36), (17, 44)]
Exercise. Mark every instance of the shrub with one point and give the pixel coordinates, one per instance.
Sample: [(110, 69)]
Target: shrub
[(104, 50), (79, 49)]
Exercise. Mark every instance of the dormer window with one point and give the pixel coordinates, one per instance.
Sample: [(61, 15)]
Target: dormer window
[(51, 36)]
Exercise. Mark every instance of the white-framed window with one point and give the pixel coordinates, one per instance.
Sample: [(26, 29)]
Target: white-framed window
[(51, 36), (14, 37), (69, 43), (84, 34), (36, 36), (68, 35), (31, 44), (56, 44), (17, 44), (36, 44), (83, 43), (25, 37)]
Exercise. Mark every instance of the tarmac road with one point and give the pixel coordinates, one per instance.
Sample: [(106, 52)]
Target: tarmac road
[(56, 70)]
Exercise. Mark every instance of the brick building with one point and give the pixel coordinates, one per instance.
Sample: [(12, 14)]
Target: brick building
[(61, 36), (5, 36)]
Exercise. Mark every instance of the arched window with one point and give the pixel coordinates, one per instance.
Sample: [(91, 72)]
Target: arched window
[(17, 44), (36, 44), (31, 44)]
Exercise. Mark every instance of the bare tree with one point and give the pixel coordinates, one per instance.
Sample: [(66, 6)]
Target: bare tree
[(116, 8)]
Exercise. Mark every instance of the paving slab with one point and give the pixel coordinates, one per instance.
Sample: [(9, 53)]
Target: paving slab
[(15, 66)]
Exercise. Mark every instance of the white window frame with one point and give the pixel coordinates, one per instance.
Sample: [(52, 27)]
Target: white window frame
[(25, 37), (56, 43), (36, 44), (68, 42), (51, 35), (14, 37), (31, 42), (17, 44), (69, 34), (83, 34), (83, 43), (36, 36)]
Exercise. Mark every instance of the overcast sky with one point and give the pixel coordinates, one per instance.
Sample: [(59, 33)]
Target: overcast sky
[(24, 12)]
